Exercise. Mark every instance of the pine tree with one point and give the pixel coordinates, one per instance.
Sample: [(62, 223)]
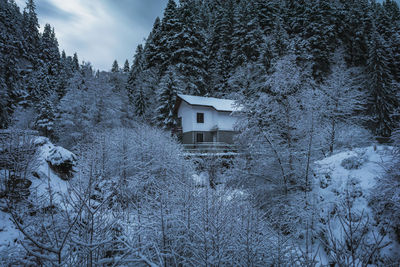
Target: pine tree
[(166, 100), (46, 116), (75, 62), (241, 18), (170, 26), (297, 15), (247, 36), (321, 33), (219, 50), (153, 49), (4, 98), (49, 52), (382, 95), (136, 70), (31, 32), (140, 102), (395, 62), (268, 12), (355, 33), (279, 40), (126, 66), (189, 55), (11, 52), (115, 67)]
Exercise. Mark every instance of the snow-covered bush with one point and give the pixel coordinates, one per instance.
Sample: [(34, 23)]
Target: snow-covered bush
[(385, 199), (353, 162), (352, 136)]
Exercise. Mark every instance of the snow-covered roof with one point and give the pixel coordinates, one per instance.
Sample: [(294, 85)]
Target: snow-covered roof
[(216, 103)]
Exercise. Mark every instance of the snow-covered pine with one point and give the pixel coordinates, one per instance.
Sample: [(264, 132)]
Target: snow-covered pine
[(115, 66), (382, 99), (167, 95), (126, 66)]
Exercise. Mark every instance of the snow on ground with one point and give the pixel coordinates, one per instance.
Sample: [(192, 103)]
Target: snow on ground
[(354, 172), (332, 179), (46, 152), (8, 233)]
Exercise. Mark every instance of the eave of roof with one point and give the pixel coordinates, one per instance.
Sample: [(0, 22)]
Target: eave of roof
[(223, 105)]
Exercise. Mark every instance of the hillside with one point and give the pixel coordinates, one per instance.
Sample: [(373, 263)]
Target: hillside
[(46, 167), (349, 177)]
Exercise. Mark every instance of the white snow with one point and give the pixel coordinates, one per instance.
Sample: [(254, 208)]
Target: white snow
[(332, 180), (217, 103), (58, 155), (8, 233), (48, 152)]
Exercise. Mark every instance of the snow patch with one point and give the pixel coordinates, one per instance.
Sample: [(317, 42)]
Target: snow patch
[(217, 103), (353, 173)]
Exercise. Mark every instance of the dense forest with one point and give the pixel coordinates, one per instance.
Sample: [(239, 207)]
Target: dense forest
[(314, 78)]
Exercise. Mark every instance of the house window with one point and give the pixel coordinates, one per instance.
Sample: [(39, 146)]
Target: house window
[(200, 117), (199, 138)]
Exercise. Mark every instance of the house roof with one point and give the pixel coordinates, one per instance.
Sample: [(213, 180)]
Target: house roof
[(216, 103)]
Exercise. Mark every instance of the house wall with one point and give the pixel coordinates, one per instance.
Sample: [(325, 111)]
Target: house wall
[(226, 121), (223, 120)]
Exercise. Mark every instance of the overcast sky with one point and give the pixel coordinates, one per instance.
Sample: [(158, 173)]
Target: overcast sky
[(102, 30)]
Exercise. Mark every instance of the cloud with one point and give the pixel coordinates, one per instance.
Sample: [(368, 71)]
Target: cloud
[(102, 30)]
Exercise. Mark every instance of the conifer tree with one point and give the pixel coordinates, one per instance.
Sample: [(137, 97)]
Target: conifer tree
[(126, 66), (189, 55), (219, 45), (268, 12), (4, 112), (115, 67), (140, 102), (320, 33), (31, 31), (49, 52), (279, 39), (355, 33), (241, 18), (153, 49), (75, 62), (11, 51), (170, 26), (382, 99), (166, 100), (296, 15), (46, 116), (247, 36), (136, 70)]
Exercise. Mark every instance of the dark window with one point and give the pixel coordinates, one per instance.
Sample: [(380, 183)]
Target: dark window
[(199, 138), (200, 117)]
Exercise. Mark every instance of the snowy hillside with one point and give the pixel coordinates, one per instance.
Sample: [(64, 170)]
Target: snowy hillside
[(348, 178), (48, 165)]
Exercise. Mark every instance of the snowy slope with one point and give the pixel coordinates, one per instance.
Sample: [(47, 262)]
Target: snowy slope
[(350, 173), (41, 176), (49, 153)]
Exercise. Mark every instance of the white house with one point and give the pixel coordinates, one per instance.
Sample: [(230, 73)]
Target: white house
[(206, 119)]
